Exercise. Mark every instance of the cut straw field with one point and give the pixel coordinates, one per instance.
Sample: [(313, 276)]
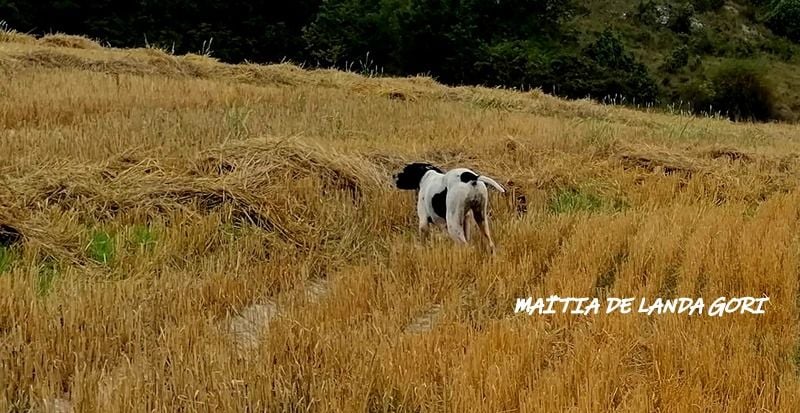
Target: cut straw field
[(185, 235)]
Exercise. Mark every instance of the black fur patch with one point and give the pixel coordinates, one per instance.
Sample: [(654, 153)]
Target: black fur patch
[(467, 177), (477, 213), (439, 202), (412, 175)]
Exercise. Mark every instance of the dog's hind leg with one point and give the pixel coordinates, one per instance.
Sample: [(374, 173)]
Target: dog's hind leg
[(465, 226), (484, 228), (482, 219)]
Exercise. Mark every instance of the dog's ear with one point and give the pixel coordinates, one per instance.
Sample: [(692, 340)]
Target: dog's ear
[(411, 176)]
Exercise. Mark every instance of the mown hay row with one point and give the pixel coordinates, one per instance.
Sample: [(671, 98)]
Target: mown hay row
[(248, 181), (38, 235), (157, 62), (69, 41)]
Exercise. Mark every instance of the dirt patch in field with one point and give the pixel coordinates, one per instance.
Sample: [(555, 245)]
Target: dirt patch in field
[(657, 160), (728, 153), (57, 405), (317, 288), (250, 324), (425, 321)]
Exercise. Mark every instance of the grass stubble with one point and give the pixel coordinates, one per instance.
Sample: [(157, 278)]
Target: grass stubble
[(207, 237)]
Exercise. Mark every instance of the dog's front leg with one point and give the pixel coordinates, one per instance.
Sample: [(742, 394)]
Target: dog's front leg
[(456, 231), (455, 218), (424, 220)]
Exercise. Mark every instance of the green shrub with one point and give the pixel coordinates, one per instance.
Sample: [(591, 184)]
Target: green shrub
[(603, 70), (696, 63), (647, 13), (702, 43), (737, 48), (699, 95), (609, 51), (781, 47), (740, 91), (677, 18), (677, 60), (681, 18)]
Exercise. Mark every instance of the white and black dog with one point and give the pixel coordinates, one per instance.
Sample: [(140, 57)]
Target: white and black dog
[(448, 198)]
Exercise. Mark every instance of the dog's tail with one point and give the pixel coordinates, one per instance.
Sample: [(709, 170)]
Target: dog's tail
[(491, 182)]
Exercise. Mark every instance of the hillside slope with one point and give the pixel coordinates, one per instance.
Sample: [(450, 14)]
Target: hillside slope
[(181, 234), (683, 43), (672, 53)]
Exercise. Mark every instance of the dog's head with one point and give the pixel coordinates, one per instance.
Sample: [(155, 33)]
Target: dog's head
[(412, 174)]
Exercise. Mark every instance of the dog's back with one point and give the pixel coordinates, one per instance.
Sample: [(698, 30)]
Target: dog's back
[(466, 176)]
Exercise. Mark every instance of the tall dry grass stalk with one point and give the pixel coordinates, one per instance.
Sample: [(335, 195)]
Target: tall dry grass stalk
[(207, 237)]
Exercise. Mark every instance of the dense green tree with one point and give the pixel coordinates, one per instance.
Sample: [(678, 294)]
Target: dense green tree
[(677, 60), (257, 30), (604, 70), (450, 39), (348, 31), (784, 18)]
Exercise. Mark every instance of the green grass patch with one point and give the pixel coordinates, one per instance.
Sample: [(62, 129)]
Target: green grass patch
[(48, 271), (233, 231), (573, 200), (101, 247), (6, 259), (144, 237)]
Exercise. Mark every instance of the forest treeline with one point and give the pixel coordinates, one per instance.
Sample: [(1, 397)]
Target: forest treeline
[(510, 43)]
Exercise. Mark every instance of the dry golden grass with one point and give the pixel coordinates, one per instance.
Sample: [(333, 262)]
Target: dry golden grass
[(208, 237), (66, 40)]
